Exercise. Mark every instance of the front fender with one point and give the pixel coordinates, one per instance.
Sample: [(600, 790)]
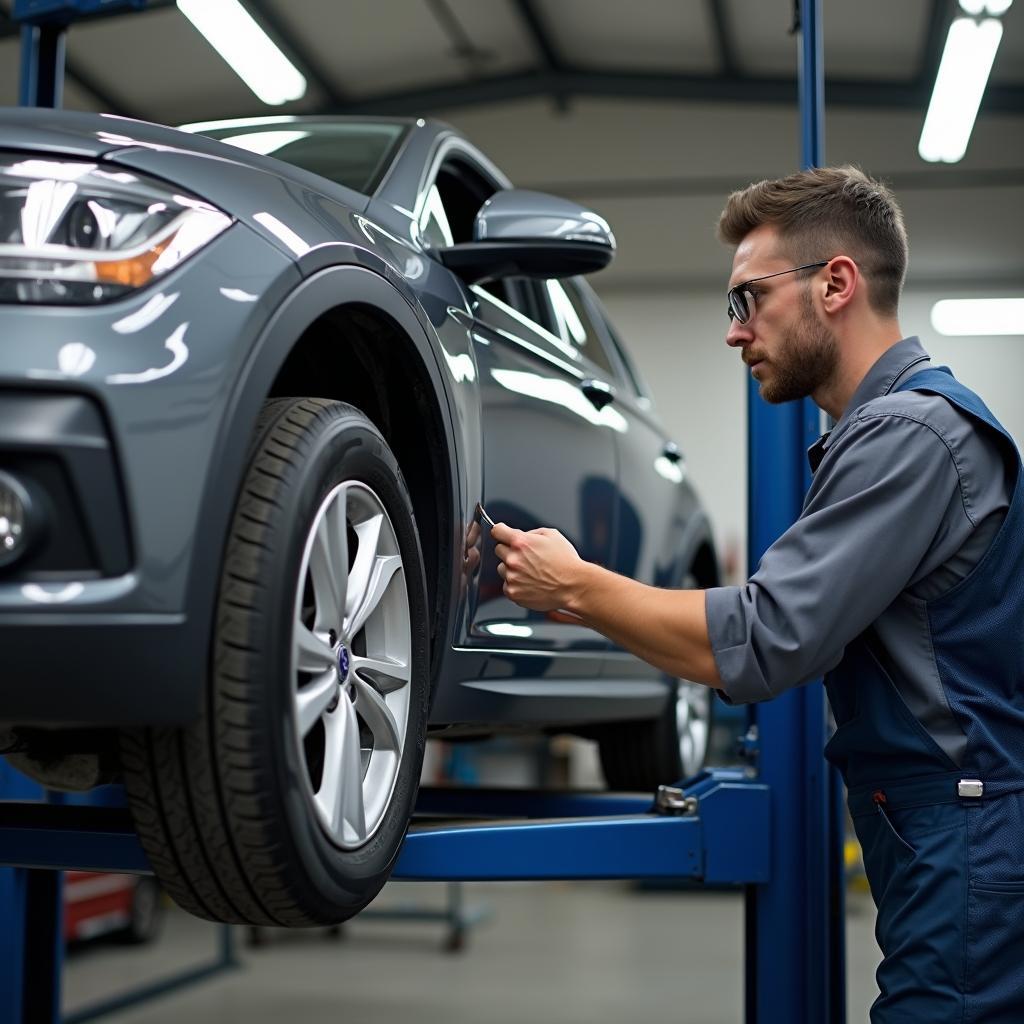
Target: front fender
[(324, 290)]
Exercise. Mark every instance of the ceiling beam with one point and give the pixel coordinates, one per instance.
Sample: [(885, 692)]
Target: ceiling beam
[(9, 27), (538, 32), (550, 58), (462, 42), (928, 180), (617, 84), (723, 36)]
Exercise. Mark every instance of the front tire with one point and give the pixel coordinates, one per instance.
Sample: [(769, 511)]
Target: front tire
[(286, 804)]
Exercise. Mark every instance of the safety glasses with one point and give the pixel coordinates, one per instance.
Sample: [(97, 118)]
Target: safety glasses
[(741, 301)]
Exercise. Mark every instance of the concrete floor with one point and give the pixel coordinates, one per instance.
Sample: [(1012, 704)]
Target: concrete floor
[(550, 953)]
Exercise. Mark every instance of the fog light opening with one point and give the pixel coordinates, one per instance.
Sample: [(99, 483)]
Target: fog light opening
[(15, 519)]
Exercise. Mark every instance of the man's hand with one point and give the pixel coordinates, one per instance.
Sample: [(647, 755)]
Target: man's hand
[(667, 628), (541, 569)]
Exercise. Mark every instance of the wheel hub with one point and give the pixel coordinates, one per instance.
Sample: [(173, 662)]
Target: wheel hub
[(344, 660)]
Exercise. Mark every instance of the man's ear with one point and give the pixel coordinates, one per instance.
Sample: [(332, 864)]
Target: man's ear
[(842, 278)]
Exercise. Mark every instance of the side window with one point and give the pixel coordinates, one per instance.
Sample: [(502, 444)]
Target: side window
[(575, 325), (640, 389), (447, 218)]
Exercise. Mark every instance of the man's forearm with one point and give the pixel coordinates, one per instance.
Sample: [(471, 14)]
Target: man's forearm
[(667, 628)]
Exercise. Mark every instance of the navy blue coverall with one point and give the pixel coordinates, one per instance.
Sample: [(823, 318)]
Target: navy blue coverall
[(944, 842), (920, 633)]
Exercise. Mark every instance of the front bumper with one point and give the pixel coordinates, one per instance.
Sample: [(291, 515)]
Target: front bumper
[(106, 633)]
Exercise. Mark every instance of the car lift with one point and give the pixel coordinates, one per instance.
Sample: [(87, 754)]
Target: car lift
[(775, 828)]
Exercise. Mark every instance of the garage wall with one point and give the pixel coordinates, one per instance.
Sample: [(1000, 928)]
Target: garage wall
[(699, 389), (699, 385)]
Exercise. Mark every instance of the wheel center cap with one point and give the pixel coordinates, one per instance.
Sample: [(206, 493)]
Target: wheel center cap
[(344, 661)]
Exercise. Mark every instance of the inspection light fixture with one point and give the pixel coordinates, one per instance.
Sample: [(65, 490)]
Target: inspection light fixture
[(978, 317), (251, 54)]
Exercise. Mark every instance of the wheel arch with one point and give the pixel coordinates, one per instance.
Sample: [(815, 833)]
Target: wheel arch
[(339, 312)]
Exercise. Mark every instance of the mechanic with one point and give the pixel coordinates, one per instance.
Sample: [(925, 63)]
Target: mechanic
[(902, 581)]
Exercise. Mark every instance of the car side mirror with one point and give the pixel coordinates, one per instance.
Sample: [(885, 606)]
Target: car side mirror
[(518, 233)]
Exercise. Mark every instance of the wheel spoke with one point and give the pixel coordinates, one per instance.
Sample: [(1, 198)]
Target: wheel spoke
[(314, 698), (349, 807), (373, 709), (386, 675), (328, 564), (312, 653), (384, 569), (368, 533)]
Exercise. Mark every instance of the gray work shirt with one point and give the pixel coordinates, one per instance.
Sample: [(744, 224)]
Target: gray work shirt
[(907, 494)]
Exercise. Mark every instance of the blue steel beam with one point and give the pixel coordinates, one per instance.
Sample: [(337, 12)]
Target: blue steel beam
[(725, 841), (63, 837)]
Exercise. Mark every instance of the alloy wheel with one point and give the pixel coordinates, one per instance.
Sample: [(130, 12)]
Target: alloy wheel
[(351, 657), (693, 713)]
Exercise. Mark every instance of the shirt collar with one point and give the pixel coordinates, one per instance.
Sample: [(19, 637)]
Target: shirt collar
[(888, 370)]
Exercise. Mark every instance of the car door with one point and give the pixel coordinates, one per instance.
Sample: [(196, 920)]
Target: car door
[(652, 500), (548, 447), (549, 454)]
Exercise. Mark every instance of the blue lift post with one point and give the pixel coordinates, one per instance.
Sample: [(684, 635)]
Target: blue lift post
[(779, 834), (43, 43), (795, 926)]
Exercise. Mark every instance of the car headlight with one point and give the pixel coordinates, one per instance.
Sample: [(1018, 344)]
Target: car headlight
[(75, 232)]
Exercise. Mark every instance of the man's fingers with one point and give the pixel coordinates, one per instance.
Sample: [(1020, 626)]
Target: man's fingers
[(502, 551), (503, 533), (501, 569)]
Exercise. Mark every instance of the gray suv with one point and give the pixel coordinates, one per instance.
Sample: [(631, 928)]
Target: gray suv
[(255, 378)]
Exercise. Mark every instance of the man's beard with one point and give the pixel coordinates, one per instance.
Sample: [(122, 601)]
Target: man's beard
[(805, 361)]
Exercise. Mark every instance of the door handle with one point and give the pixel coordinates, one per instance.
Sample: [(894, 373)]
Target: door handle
[(599, 393), (672, 452)]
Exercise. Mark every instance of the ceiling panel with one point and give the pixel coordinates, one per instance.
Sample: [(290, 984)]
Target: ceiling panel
[(162, 67), (370, 48), (1009, 64), (654, 35), (870, 39)]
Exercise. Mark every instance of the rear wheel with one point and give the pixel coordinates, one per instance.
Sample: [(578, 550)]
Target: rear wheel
[(658, 752), (287, 802), (647, 754)]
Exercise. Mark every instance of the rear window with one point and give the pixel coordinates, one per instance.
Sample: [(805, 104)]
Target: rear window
[(353, 155)]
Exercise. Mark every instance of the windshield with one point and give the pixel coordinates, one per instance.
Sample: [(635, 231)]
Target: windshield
[(355, 154)]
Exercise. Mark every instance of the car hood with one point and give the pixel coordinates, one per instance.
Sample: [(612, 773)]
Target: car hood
[(106, 136), (294, 209)]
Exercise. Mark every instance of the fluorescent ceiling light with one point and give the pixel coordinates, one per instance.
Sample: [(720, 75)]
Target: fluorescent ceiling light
[(963, 73), (996, 8), (978, 317), (231, 31)]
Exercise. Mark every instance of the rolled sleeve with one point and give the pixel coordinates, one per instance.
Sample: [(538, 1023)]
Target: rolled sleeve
[(877, 501), (729, 630)]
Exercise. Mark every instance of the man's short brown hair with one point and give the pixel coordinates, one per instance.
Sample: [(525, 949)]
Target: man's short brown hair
[(826, 212)]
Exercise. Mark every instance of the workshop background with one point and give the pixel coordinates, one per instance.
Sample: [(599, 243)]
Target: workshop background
[(650, 112)]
